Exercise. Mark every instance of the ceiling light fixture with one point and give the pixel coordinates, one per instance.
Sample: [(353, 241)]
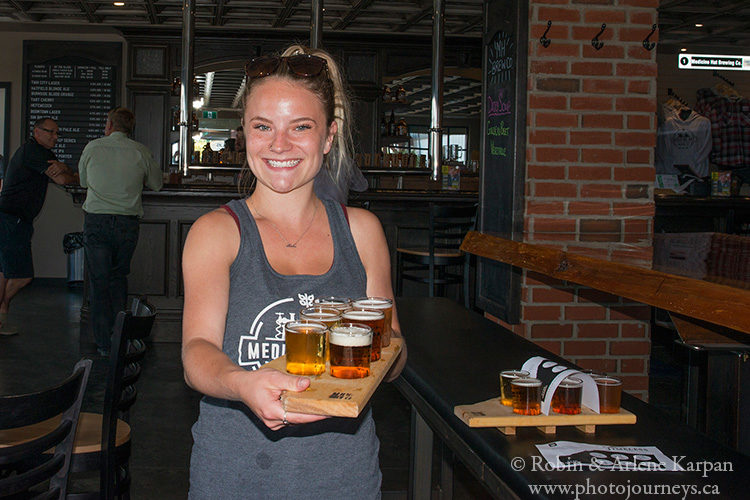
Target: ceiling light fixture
[(698, 25), (683, 49), (118, 4)]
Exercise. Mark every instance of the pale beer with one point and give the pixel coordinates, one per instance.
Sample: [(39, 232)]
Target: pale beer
[(372, 318), (384, 304), (305, 347), (340, 303), (350, 346)]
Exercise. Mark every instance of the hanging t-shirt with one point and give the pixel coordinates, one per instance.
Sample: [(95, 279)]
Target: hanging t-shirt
[(730, 127), (683, 140)]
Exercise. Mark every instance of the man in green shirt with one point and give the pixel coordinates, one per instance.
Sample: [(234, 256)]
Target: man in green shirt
[(115, 169)]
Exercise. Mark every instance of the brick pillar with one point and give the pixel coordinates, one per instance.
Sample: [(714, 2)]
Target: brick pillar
[(589, 178)]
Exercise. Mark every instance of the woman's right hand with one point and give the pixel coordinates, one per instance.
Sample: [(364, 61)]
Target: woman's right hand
[(261, 391)]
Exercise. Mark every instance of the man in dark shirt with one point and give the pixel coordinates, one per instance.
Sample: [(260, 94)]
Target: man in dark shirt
[(21, 198)]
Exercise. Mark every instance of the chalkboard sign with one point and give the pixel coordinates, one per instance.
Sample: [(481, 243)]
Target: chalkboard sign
[(75, 87), (504, 149)]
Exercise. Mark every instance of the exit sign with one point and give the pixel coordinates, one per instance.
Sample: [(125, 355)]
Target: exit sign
[(209, 114)]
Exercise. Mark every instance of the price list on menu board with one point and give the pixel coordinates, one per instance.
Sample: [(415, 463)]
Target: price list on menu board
[(77, 95)]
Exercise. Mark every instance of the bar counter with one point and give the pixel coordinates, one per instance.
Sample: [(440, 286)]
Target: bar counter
[(688, 214), (455, 357), (169, 213)]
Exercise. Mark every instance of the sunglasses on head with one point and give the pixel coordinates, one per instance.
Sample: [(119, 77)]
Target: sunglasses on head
[(304, 65)]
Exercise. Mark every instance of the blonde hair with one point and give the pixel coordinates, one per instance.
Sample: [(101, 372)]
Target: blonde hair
[(330, 87)]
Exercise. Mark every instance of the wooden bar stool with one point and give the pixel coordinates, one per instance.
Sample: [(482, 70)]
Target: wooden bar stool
[(448, 225)]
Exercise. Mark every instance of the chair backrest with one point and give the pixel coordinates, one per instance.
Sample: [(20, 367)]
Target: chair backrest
[(449, 224), (26, 466), (128, 349)]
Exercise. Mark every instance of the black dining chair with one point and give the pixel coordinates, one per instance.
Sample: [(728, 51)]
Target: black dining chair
[(104, 441), (448, 224), (30, 426)]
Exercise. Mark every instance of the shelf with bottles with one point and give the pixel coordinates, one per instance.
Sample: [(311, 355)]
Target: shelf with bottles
[(394, 131)]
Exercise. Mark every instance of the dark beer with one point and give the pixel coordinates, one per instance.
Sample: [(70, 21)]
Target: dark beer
[(350, 346), (527, 396), (610, 393), (379, 303), (305, 347), (506, 377), (372, 318), (567, 397)]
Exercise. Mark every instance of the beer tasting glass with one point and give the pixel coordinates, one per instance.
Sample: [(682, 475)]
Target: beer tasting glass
[(567, 397), (340, 303), (381, 303), (527, 396), (326, 315), (305, 347), (374, 319), (350, 345), (610, 393), (506, 394)]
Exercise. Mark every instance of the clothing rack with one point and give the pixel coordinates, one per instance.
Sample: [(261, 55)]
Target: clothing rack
[(723, 78)]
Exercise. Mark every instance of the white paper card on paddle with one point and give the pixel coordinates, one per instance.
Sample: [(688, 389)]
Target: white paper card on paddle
[(551, 373)]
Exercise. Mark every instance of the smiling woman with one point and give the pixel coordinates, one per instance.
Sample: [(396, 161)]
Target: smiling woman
[(251, 266)]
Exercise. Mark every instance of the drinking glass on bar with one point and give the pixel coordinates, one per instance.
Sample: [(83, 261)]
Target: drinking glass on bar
[(305, 347), (527, 396), (506, 394), (386, 305), (610, 394), (375, 319), (567, 397), (350, 345), (340, 303)]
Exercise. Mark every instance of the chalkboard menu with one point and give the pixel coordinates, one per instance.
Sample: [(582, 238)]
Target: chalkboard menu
[(504, 149), (76, 88)]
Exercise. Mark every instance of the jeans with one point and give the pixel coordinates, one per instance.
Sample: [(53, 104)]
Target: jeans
[(109, 242)]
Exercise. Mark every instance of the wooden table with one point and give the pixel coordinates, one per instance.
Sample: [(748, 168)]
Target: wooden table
[(455, 357)]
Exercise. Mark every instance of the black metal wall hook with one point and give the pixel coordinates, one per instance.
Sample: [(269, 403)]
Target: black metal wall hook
[(648, 44), (595, 42), (544, 40)]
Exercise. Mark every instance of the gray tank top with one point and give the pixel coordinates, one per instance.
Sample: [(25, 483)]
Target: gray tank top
[(235, 456)]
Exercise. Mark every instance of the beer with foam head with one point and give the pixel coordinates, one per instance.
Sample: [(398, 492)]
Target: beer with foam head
[(305, 347), (374, 319), (379, 303), (340, 303), (350, 345), (325, 315), (527, 396), (567, 397)]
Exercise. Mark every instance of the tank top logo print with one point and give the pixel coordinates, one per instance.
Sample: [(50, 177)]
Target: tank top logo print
[(265, 339)]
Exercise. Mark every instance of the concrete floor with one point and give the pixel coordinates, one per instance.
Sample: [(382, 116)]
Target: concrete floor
[(49, 344)]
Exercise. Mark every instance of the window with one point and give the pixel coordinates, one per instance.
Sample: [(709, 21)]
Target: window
[(457, 137)]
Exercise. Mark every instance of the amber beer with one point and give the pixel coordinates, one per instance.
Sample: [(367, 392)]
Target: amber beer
[(350, 345), (610, 394), (527, 396), (372, 318), (305, 347), (380, 303), (567, 397), (506, 377)]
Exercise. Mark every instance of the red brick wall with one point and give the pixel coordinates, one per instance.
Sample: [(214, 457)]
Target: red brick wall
[(589, 179)]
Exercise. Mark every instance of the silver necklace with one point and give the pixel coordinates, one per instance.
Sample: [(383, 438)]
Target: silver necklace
[(276, 228)]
